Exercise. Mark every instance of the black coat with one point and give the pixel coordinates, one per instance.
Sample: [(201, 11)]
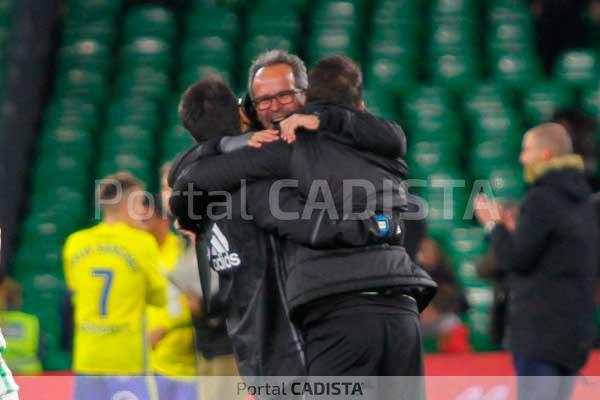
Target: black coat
[(325, 157), (552, 259)]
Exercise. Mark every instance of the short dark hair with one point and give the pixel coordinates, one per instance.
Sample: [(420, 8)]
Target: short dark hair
[(337, 80), (208, 108)]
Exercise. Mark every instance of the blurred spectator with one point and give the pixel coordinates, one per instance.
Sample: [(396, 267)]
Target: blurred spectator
[(551, 255), (489, 269), (21, 331), (559, 26), (171, 335), (583, 130), (435, 262), (442, 329)]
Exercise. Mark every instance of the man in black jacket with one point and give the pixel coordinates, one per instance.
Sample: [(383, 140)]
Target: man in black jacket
[(551, 256), (331, 292)]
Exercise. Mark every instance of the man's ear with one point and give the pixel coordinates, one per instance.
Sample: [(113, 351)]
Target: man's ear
[(361, 105), (547, 154), (244, 120)]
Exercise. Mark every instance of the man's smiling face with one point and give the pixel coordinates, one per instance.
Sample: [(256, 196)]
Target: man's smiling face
[(275, 82)]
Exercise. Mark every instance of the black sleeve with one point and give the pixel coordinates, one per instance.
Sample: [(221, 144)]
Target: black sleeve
[(191, 190), (361, 129), (185, 159), (281, 210), (519, 251), (227, 171)]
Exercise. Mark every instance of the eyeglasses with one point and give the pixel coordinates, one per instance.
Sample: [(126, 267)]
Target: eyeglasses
[(283, 98)]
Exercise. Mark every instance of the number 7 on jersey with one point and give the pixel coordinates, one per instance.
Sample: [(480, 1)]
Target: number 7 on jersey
[(107, 275)]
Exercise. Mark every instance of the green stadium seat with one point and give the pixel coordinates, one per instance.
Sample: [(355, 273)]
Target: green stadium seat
[(509, 11), (100, 28), (134, 110), (335, 14), (395, 44), (397, 12), (478, 317), (90, 85), (426, 157), (542, 99), (261, 43), (213, 50), (212, 21), (86, 54), (193, 74), (451, 9), (452, 37), (144, 82), (456, 72), (391, 75), (150, 20), (149, 51), (68, 168), (579, 68), (72, 112), (507, 181), (516, 70), (590, 100), (138, 166), (65, 139), (486, 98), (331, 41), (90, 9), (467, 242), (486, 155), (278, 20), (510, 37), (175, 140)]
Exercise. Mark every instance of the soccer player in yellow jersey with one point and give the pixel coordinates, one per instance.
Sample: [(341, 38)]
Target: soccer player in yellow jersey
[(173, 358), (112, 270)]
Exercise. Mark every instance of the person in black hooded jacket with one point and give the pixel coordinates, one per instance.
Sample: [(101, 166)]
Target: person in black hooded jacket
[(330, 291), (551, 257)]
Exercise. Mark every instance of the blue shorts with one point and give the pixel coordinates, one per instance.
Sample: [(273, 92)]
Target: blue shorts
[(173, 389), (113, 388)]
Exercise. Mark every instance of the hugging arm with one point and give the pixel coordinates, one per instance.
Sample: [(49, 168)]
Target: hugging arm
[(360, 129)]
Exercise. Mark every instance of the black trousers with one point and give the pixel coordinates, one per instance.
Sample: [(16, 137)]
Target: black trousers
[(367, 336)]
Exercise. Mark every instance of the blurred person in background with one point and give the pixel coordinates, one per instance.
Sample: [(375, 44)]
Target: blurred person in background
[(433, 260), (443, 330), (583, 129), (8, 387), (551, 256), (497, 275), (172, 359), (21, 331), (112, 271)]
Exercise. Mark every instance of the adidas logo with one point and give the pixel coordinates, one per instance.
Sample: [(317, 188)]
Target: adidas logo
[(221, 258)]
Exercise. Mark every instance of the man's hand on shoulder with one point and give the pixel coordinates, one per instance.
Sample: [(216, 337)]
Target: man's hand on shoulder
[(289, 125)]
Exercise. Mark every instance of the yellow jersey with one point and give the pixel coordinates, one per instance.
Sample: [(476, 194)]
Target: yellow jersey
[(174, 355), (113, 272)]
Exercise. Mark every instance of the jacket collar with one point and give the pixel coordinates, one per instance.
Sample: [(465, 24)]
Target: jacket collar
[(536, 171)]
